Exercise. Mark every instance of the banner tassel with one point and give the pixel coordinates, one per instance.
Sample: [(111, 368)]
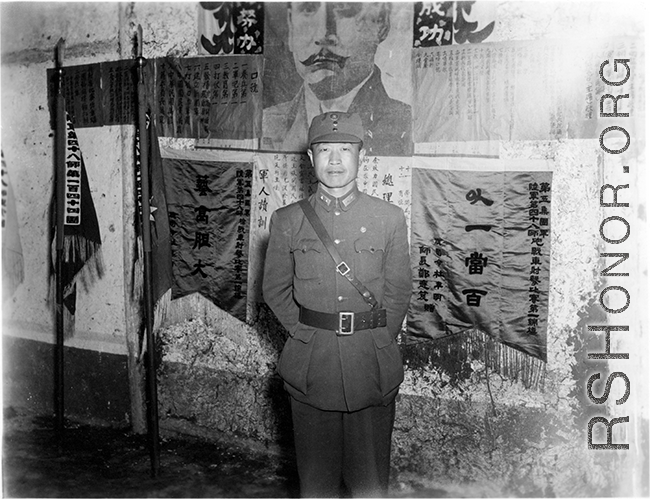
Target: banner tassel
[(453, 354)]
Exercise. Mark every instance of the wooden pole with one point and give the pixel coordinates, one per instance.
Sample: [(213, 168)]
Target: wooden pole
[(152, 390), (59, 163)]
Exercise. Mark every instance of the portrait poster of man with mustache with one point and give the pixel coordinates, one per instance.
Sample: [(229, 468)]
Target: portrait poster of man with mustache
[(337, 57)]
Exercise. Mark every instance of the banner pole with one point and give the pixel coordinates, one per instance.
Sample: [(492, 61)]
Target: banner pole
[(59, 161), (151, 384)]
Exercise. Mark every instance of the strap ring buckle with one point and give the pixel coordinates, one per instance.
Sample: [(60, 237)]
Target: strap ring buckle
[(342, 268)]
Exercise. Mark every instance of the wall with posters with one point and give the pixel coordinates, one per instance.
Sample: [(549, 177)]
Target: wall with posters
[(519, 430)]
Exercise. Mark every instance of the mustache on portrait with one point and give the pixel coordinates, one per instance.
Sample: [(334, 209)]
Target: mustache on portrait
[(325, 56)]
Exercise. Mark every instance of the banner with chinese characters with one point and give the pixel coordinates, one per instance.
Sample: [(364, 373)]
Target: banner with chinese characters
[(210, 97), (282, 179), (524, 90), (81, 259), (82, 89), (100, 94), (480, 250), (119, 93), (208, 201)]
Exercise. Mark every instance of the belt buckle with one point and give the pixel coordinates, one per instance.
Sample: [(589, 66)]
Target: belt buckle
[(346, 324)]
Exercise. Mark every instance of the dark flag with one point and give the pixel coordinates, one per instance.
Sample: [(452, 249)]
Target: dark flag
[(12, 251), (161, 279), (81, 257), (209, 205)]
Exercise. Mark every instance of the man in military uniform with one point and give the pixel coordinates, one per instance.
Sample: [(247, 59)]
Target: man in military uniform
[(341, 364)]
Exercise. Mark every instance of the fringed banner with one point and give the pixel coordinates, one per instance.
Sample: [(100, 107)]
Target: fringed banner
[(209, 215), (161, 259), (160, 237), (480, 250), (12, 250), (82, 260)]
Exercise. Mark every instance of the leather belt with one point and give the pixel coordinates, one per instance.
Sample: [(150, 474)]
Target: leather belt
[(343, 323)]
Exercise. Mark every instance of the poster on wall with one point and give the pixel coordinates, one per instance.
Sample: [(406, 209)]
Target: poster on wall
[(119, 91), (442, 23), (483, 92), (231, 28), (338, 57), (209, 201), (484, 263), (210, 97), (278, 180)]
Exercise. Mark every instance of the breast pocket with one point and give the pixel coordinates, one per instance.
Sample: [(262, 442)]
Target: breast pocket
[(307, 257), (369, 258)]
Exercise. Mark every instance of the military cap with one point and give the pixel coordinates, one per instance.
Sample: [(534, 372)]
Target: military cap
[(336, 127)]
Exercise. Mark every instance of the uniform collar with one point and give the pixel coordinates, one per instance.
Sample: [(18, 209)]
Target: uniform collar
[(344, 203)]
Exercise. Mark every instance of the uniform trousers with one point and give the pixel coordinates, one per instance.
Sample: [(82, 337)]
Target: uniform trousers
[(343, 451)]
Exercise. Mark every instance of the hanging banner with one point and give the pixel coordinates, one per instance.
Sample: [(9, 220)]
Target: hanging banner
[(480, 251), (82, 89), (483, 91), (209, 197), (210, 97), (82, 257), (119, 92), (161, 264), (100, 94)]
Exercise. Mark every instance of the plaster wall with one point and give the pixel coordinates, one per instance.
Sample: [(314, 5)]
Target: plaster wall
[(483, 434)]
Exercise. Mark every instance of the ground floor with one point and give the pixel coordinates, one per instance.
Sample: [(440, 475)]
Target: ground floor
[(102, 461)]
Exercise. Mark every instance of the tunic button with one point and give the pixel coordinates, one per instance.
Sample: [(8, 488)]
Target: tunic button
[(340, 298), (337, 241), (337, 213)]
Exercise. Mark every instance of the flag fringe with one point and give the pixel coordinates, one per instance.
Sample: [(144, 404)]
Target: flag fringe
[(458, 349), (160, 310), (77, 248), (93, 269), (159, 315), (137, 279), (68, 324)]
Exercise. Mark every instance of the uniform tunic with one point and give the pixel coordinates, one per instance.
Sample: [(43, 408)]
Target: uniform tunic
[(319, 368)]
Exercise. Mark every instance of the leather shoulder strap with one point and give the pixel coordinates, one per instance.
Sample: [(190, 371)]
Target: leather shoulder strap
[(341, 267)]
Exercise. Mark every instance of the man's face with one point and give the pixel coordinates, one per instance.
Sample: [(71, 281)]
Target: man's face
[(334, 44), (336, 165)]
